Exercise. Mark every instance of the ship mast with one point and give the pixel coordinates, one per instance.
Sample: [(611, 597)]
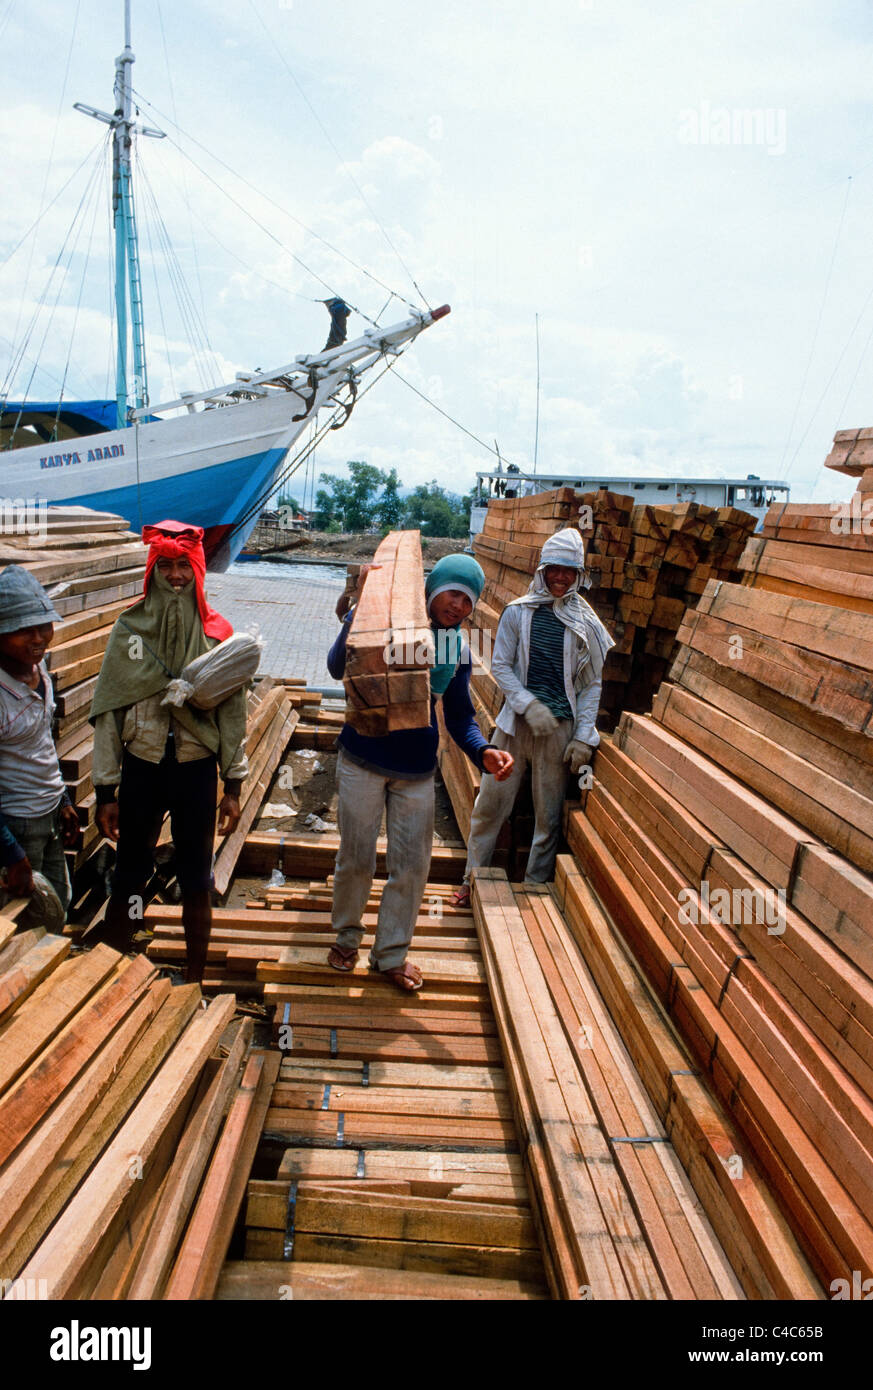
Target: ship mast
[(128, 282)]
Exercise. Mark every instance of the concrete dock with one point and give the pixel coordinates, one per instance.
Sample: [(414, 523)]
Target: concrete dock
[(293, 607)]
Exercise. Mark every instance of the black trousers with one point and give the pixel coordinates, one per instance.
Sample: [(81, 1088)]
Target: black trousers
[(147, 791)]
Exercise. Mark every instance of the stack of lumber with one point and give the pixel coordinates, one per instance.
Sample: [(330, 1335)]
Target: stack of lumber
[(730, 836), (605, 1161), (92, 566), (271, 723), (318, 728), (244, 941), (396, 1146), (821, 551), (129, 1119), (305, 854), (389, 650), (646, 564)]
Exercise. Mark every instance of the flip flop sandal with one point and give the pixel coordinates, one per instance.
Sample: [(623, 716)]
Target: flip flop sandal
[(461, 896), (405, 977), (343, 958)]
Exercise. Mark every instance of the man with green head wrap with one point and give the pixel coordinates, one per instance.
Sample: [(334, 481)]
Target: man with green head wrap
[(394, 775)]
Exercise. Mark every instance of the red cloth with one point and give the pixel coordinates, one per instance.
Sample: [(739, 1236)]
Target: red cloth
[(175, 540)]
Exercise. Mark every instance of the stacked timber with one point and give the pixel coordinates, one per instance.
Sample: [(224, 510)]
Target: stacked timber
[(646, 565), (389, 649), (822, 551), (304, 855), (271, 722), (129, 1118), (730, 837), (393, 1128), (640, 1186), (92, 566), (245, 945)]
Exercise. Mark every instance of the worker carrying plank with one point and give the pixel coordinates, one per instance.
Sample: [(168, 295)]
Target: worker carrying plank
[(37, 820), (548, 661), (151, 757), (394, 773)]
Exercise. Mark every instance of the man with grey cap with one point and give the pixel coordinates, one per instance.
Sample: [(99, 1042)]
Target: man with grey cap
[(548, 661), (37, 820)]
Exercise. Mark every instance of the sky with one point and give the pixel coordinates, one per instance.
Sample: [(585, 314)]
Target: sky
[(675, 199)]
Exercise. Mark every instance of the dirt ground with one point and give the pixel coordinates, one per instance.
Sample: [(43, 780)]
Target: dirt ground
[(360, 546)]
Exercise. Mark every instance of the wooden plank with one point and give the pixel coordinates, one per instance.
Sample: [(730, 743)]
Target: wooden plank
[(73, 1161), (718, 1160), (183, 1179), (305, 1281), (597, 1209), (29, 971), (277, 742), (197, 1268), (63, 1255), (24, 1104), (834, 1230), (23, 1175)]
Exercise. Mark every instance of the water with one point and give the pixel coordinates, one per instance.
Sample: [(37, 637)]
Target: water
[(320, 576)]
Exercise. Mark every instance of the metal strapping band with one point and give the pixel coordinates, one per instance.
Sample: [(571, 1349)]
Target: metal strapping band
[(287, 1013), (333, 1045), (340, 1128), (683, 1071), (727, 979), (290, 1216), (673, 980), (796, 865), (359, 1171), (325, 1099), (640, 1139), (365, 1075)]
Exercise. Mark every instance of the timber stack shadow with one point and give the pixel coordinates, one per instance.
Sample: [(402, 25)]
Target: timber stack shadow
[(649, 1080)]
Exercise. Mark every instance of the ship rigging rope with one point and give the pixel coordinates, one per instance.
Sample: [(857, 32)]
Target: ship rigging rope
[(463, 428), (161, 115), (70, 240), (192, 322), (308, 449), (344, 164), (186, 198), (26, 281), (72, 338), (814, 343)]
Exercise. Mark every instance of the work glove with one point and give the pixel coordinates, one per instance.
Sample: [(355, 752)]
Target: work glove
[(540, 719), (577, 754)]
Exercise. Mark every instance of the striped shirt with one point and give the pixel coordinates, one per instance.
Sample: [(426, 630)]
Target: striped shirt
[(545, 669)]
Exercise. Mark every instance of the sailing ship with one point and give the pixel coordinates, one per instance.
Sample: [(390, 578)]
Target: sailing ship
[(213, 457)]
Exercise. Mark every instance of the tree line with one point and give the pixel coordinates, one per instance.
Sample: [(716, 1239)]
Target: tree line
[(369, 499)]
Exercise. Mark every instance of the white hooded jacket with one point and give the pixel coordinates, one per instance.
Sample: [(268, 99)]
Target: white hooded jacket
[(583, 658)]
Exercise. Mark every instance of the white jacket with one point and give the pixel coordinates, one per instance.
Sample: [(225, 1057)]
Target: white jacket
[(509, 663)]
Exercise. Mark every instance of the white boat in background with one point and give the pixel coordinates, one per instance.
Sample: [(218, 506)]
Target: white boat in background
[(211, 458), (749, 494)]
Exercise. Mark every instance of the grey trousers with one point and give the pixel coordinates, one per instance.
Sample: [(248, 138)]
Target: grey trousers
[(40, 838), (408, 806), (496, 799)]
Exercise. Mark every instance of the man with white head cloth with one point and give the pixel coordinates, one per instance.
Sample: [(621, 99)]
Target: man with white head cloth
[(548, 661)]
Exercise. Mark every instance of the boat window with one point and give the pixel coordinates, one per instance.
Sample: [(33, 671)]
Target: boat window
[(662, 487)]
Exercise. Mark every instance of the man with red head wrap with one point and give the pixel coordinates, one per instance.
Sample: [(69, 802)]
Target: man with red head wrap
[(151, 758)]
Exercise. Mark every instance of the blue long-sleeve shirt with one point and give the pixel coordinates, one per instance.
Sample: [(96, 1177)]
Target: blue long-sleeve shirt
[(411, 753)]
